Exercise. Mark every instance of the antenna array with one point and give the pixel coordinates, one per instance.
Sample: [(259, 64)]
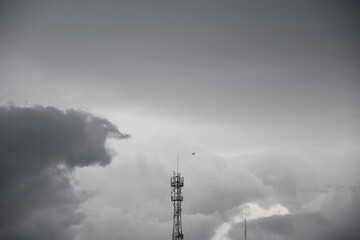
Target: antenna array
[(177, 182)]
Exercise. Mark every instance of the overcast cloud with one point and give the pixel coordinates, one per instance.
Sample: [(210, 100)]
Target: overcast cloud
[(266, 93)]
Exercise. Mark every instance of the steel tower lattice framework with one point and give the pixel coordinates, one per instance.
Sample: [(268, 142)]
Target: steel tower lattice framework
[(177, 182)]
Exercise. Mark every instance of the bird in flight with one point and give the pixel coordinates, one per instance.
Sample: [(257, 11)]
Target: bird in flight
[(193, 153)]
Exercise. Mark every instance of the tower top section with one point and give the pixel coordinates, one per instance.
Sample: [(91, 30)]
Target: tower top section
[(176, 180), (177, 183)]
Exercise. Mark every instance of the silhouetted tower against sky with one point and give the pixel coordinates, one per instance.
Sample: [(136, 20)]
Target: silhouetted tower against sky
[(177, 182)]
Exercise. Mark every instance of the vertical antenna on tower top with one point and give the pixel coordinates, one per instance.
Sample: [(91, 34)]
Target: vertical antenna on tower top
[(177, 163)]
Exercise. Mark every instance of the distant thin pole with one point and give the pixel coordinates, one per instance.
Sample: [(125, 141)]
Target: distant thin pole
[(177, 163), (245, 230)]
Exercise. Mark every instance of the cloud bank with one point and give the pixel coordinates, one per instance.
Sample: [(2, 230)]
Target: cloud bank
[(338, 219), (39, 149)]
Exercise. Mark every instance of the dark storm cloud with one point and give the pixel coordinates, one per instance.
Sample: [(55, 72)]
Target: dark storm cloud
[(39, 148)]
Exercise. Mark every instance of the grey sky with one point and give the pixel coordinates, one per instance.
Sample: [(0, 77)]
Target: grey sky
[(267, 92)]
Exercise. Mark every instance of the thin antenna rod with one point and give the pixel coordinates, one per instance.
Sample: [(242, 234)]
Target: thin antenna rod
[(177, 163), (245, 230)]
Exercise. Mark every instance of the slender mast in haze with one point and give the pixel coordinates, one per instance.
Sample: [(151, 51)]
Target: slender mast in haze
[(245, 233)]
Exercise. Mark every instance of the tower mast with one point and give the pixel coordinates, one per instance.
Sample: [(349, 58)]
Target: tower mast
[(177, 182), (245, 233)]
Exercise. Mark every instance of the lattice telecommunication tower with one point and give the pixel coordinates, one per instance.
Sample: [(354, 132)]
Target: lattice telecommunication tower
[(177, 182)]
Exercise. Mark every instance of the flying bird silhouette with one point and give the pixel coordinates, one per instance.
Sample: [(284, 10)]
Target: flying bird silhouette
[(193, 153)]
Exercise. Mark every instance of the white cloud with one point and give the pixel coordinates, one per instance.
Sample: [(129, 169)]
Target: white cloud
[(251, 211)]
